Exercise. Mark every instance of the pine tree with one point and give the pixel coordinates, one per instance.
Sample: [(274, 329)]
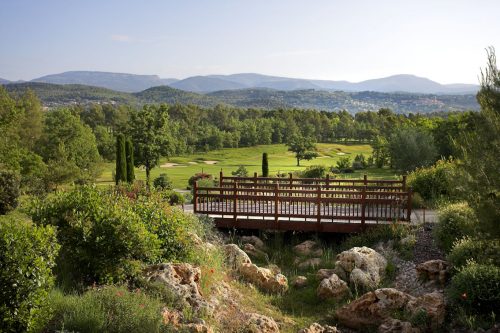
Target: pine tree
[(265, 165), (129, 150), (121, 163)]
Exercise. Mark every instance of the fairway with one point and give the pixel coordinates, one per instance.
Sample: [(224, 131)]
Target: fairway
[(180, 168)]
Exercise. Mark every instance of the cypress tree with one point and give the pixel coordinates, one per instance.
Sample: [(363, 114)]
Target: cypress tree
[(121, 163), (129, 150), (265, 165)]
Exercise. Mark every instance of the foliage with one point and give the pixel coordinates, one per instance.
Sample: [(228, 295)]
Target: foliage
[(303, 147), (121, 162), (435, 182), (476, 288), (481, 149), (9, 191), (372, 236), (102, 238), (240, 172), (411, 148), (480, 250), (129, 155), (455, 221), (174, 198), (199, 176), (359, 162), (27, 256), (343, 163), (162, 182), (265, 165), (314, 171), (149, 130), (106, 143), (108, 309)]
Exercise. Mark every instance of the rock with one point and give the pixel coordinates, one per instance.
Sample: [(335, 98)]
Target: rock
[(312, 262), (171, 317), (433, 270), (317, 328), (308, 248), (200, 244), (182, 279), (235, 257), (332, 287), (264, 278), (299, 281), (372, 308), (254, 252), (391, 325), (257, 323), (196, 328), (255, 241), (433, 304), (366, 260), (324, 273)]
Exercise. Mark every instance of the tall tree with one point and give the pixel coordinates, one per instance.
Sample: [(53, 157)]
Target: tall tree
[(303, 147), (121, 162), (265, 165), (129, 151), (150, 133), (481, 151), (411, 148)]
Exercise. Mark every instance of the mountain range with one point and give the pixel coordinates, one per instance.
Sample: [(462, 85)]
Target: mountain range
[(55, 95), (210, 83)]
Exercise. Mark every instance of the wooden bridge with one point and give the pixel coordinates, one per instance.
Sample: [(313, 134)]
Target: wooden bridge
[(304, 204)]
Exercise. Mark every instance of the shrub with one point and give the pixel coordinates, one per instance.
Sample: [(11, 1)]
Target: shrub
[(479, 250), (197, 177), (265, 165), (102, 238), (455, 221), (434, 182), (174, 198), (417, 201), (27, 256), (357, 165), (381, 233), (162, 182), (359, 162), (9, 191), (343, 163), (110, 309), (476, 288), (240, 172), (314, 171)]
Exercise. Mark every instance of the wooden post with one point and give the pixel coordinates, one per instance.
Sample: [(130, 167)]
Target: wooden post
[(221, 176), (365, 179), (327, 182), (276, 204), (235, 203), (318, 207), (408, 205), (404, 183), (195, 197), (363, 208)]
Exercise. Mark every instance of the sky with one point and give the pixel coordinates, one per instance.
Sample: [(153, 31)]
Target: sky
[(352, 40)]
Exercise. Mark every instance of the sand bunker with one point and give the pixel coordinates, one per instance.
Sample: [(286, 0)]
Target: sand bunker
[(169, 165), (192, 163), (340, 153), (210, 162)]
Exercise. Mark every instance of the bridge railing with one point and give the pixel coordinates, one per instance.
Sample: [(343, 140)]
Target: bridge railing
[(326, 200)]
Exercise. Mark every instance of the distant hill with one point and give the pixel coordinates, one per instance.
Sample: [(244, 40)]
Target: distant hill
[(211, 83), (53, 95), (115, 81), (4, 81)]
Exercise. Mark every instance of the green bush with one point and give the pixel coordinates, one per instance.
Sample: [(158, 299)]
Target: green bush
[(480, 250), (455, 221), (434, 182), (240, 172), (102, 238), (162, 182), (27, 256), (110, 309), (343, 163), (9, 191), (314, 171), (374, 235), (197, 177), (476, 288), (174, 198)]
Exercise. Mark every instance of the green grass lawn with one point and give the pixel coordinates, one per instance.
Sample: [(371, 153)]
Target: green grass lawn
[(280, 160)]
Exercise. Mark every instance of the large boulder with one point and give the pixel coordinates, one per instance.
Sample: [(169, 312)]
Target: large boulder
[(254, 252), (182, 279), (367, 264), (308, 248), (372, 308), (332, 287), (433, 270), (317, 328), (257, 323), (235, 257), (264, 278), (324, 273), (299, 281), (255, 241), (376, 308)]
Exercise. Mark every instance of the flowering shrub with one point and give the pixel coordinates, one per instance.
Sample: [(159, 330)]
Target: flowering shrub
[(455, 221), (434, 182)]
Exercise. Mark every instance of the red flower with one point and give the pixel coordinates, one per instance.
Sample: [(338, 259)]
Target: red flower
[(464, 296), (212, 271), (141, 306), (119, 293)]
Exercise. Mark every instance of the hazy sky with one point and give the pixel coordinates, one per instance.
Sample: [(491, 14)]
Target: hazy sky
[(336, 40)]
